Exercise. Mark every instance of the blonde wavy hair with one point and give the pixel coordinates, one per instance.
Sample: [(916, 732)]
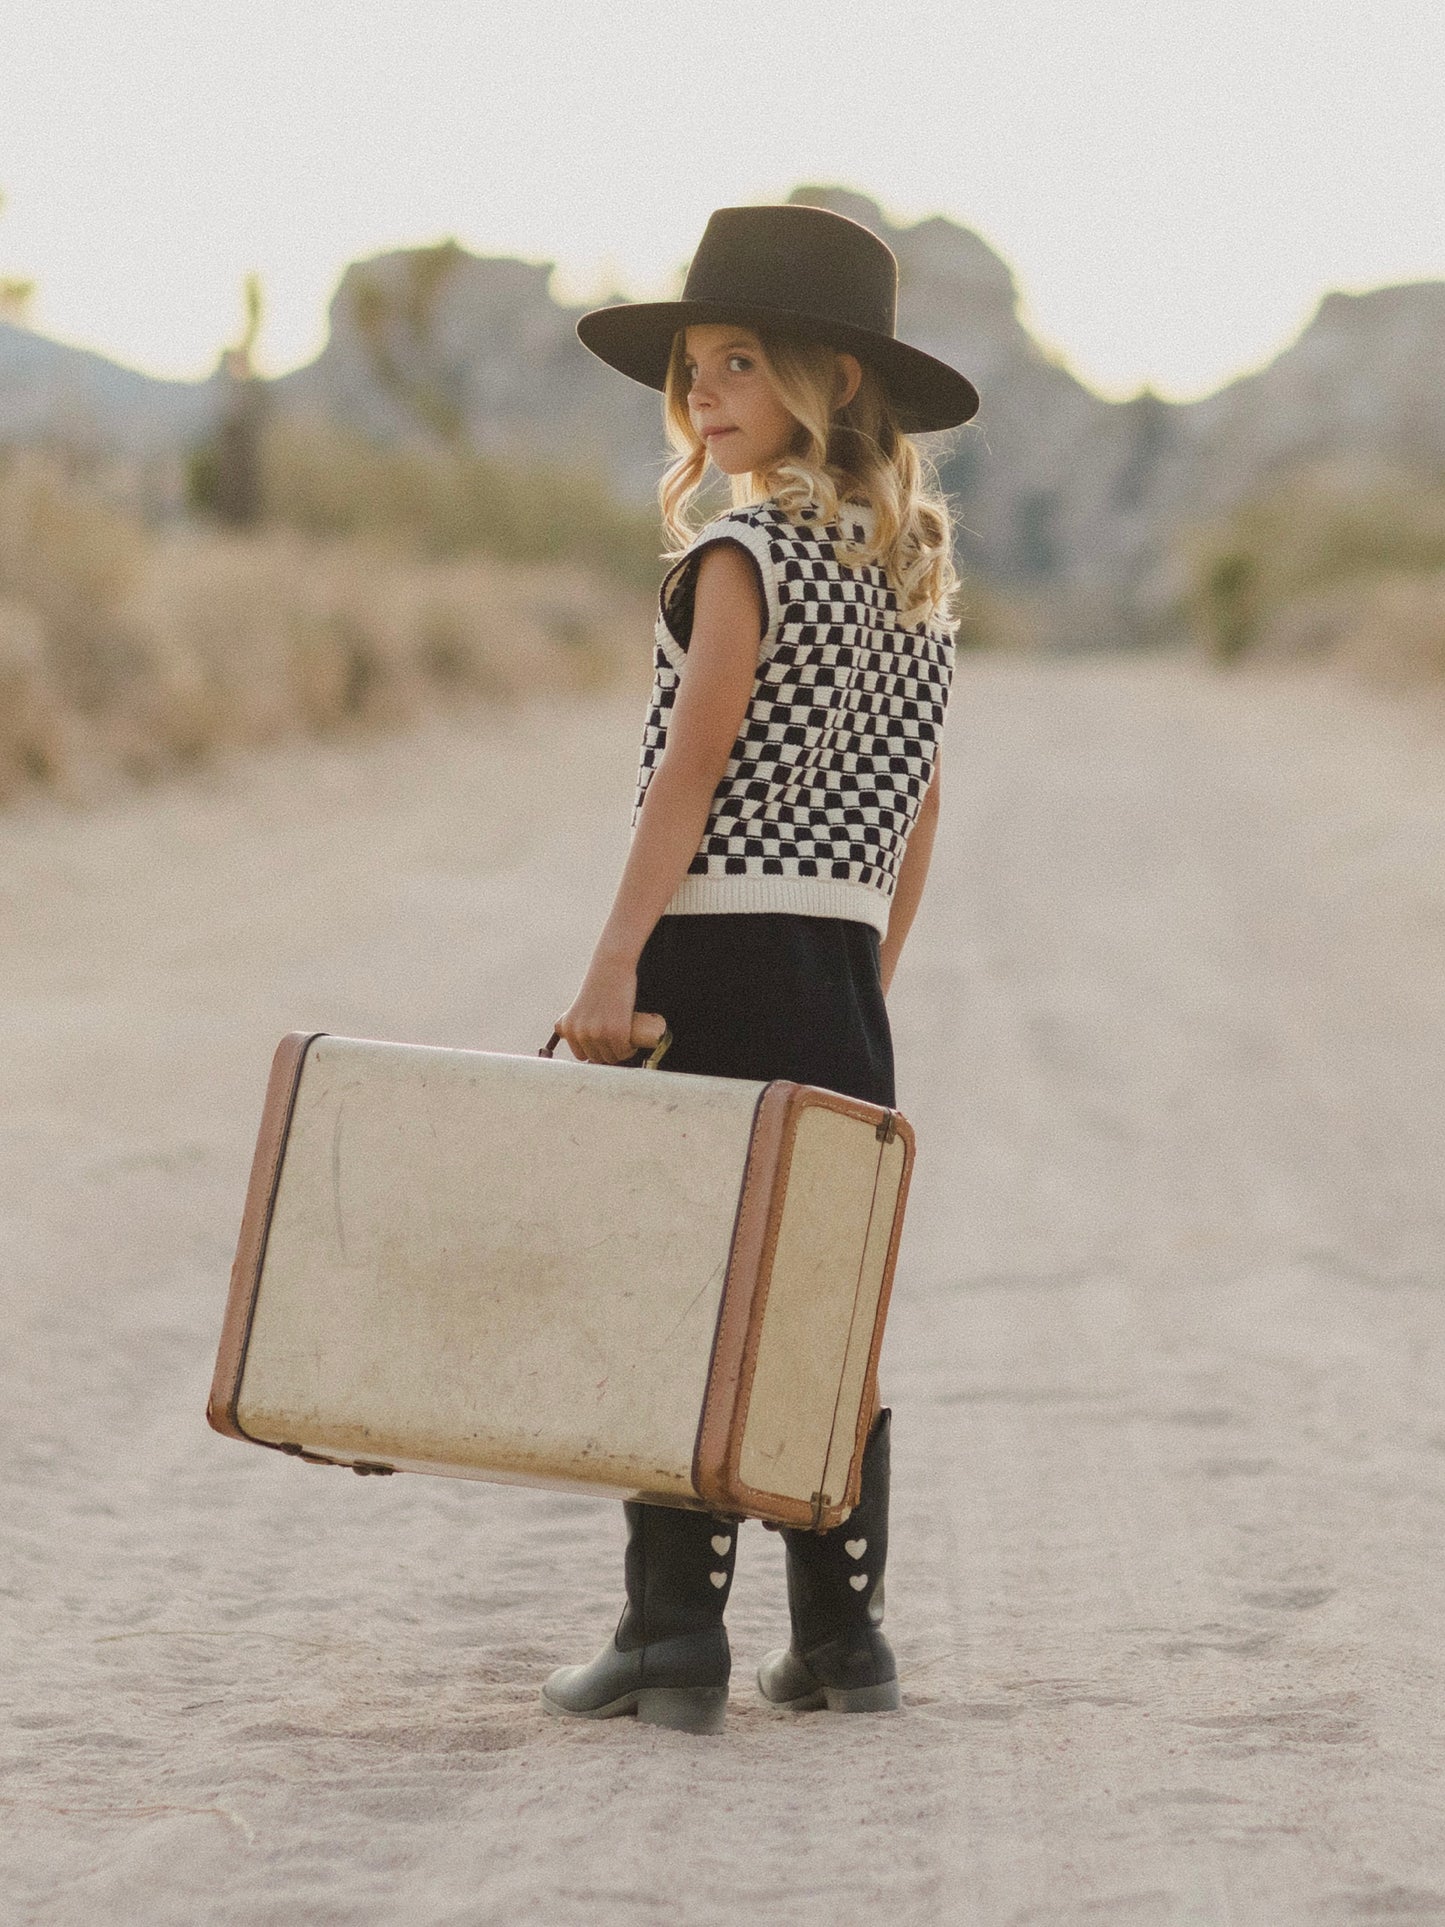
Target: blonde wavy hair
[(854, 453)]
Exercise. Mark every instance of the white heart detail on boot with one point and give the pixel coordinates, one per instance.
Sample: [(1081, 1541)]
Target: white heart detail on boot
[(719, 1579), (858, 1581), (720, 1543), (855, 1548)]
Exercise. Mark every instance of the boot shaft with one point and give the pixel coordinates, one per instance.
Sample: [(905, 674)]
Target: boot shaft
[(835, 1579), (678, 1571)]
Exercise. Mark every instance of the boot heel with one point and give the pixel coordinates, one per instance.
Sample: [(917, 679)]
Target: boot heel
[(686, 1709), (863, 1699)]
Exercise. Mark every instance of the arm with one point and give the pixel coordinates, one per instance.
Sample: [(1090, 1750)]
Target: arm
[(912, 874), (712, 700)]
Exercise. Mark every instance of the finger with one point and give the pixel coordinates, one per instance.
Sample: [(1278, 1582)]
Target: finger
[(566, 1029), (602, 1047)]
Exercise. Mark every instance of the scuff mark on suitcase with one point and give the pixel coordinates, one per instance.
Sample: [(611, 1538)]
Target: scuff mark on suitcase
[(693, 1302)]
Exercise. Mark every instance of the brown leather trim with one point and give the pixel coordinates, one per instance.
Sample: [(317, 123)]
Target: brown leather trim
[(255, 1226), (759, 1203), (745, 1297)]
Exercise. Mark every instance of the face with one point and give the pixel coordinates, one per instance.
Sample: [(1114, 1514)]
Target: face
[(731, 401)]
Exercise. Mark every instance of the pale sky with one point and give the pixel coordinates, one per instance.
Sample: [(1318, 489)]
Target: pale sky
[(1174, 182)]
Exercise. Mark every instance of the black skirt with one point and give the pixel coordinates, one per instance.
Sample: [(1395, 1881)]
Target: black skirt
[(771, 994)]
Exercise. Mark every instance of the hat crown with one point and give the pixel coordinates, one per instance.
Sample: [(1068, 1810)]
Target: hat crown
[(800, 260)]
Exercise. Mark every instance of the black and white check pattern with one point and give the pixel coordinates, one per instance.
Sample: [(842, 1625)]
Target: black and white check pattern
[(828, 771)]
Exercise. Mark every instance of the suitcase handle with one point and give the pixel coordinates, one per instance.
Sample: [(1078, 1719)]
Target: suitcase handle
[(648, 1063)]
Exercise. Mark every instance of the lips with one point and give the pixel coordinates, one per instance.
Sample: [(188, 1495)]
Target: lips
[(711, 434)]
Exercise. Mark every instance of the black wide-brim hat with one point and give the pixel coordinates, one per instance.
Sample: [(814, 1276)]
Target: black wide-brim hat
[(804, 271)]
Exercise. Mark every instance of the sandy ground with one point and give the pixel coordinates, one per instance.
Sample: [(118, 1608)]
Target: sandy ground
[(1166, 1356)]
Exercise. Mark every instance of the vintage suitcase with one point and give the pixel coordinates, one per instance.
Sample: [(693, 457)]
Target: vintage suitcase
[(541, 1271)]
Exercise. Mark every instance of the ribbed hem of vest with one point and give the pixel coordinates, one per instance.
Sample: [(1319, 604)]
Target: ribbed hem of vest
[(802, 896)]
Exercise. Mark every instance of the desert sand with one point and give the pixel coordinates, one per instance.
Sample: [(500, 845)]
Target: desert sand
[(1165, 1357)]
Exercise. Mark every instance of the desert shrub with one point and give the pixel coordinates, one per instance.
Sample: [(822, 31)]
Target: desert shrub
[(995, 620), (32, 737), (1305, 536), (73, 560), (133, 651), (441, 504), (1387, 626)]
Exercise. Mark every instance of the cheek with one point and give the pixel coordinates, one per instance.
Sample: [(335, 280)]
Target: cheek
[(771, 418)]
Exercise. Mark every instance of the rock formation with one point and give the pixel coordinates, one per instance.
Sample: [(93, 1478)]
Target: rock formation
[(1067, 501)]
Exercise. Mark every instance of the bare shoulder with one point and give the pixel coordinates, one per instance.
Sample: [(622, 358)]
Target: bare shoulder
[(729, 596), (717, 684)]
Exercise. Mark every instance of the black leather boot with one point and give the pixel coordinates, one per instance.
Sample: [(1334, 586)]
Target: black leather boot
[(668, 1662), (839, 1658)]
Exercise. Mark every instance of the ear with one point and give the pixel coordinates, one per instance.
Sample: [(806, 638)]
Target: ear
[(850, 374)]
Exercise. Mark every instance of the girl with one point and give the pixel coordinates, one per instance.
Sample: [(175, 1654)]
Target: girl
[(784, 816)]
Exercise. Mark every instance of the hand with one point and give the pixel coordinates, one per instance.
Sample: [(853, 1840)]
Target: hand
[(602, 1025)]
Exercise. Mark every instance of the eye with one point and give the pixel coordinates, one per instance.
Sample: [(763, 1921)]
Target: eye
[(744, 364)]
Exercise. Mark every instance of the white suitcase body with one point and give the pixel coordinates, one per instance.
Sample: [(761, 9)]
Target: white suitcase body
[(644, 1283)]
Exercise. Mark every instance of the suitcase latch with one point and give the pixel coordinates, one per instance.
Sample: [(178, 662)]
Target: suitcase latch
[(886, 1129)]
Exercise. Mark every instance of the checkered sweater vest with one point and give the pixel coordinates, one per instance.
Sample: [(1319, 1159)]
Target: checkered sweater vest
[(826, 776)]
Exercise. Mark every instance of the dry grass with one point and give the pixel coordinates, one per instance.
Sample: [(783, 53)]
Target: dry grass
[(1387, 626), (322, 480), (125, 653), (1341, 561)]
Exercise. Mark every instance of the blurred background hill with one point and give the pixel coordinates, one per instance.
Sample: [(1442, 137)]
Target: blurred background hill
[(454, 496)]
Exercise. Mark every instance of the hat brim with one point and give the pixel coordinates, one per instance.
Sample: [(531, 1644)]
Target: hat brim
[(635, 338)]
